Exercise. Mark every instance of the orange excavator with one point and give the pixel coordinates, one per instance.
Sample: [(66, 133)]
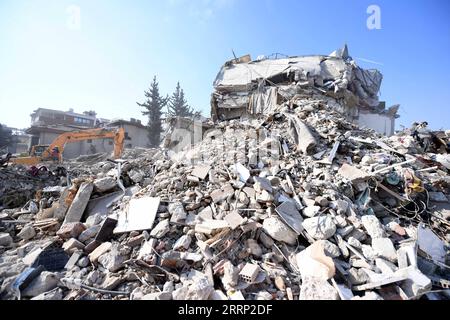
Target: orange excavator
[(55, 150)]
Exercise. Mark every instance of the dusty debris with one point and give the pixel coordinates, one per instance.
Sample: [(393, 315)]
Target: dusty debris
[(286, 198)]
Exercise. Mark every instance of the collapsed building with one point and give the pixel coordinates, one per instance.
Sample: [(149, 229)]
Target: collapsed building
[(283, 201), (250, 88)]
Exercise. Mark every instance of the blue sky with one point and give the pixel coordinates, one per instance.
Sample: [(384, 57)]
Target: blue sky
[(108, 62)]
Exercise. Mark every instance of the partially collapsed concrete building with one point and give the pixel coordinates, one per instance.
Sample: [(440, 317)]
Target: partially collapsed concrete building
[(249, 88)]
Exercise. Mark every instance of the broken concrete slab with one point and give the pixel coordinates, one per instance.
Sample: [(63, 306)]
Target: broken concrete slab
[(352, 173), (201, 171), (79, 203), (291, 216), (140, 215), (234, 219)]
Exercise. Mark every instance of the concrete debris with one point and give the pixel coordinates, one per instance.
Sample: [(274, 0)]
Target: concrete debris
[(105, 184), (140, 215), (279, 231), (27, 233), (287, 194), (45, 282), (79, 203), (5, 240), (384, 248), (317, 289), (315, 261), (161, 229), (322, 227)]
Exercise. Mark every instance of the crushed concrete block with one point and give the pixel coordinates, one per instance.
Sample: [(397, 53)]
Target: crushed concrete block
[(70, 230), (384, 248), (135, 241), (45, 282), (279, 231), (27, 233), (315, 262), (373, 226), (5, 239), (322, 227), (201, 172), (234, 219), (385, 266), (104, 184), (211, 226), (352, 173), (101, 249), (317, 289), (230, 276), (161, 229), (311, 211), (253, 247), (178, 214), (89, 233), (72, 244), (113, 259), (183, 242)]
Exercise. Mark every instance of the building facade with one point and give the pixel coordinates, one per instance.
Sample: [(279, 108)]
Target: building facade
[(48, 124)]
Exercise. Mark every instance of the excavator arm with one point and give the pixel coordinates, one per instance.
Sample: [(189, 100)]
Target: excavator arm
[(68, 137)]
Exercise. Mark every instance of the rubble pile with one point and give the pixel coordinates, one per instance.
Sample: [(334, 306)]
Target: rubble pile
[(19, 184), (298, 203)]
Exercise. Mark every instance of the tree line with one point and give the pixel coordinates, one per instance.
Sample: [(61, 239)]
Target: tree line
[(176, 106)]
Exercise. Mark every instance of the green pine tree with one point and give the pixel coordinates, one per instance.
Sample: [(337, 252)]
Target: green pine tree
[(153, 109), (178, 106)]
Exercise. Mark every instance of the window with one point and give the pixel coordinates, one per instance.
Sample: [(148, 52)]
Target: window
[(129, 145), (81, 120), (127, 137)]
